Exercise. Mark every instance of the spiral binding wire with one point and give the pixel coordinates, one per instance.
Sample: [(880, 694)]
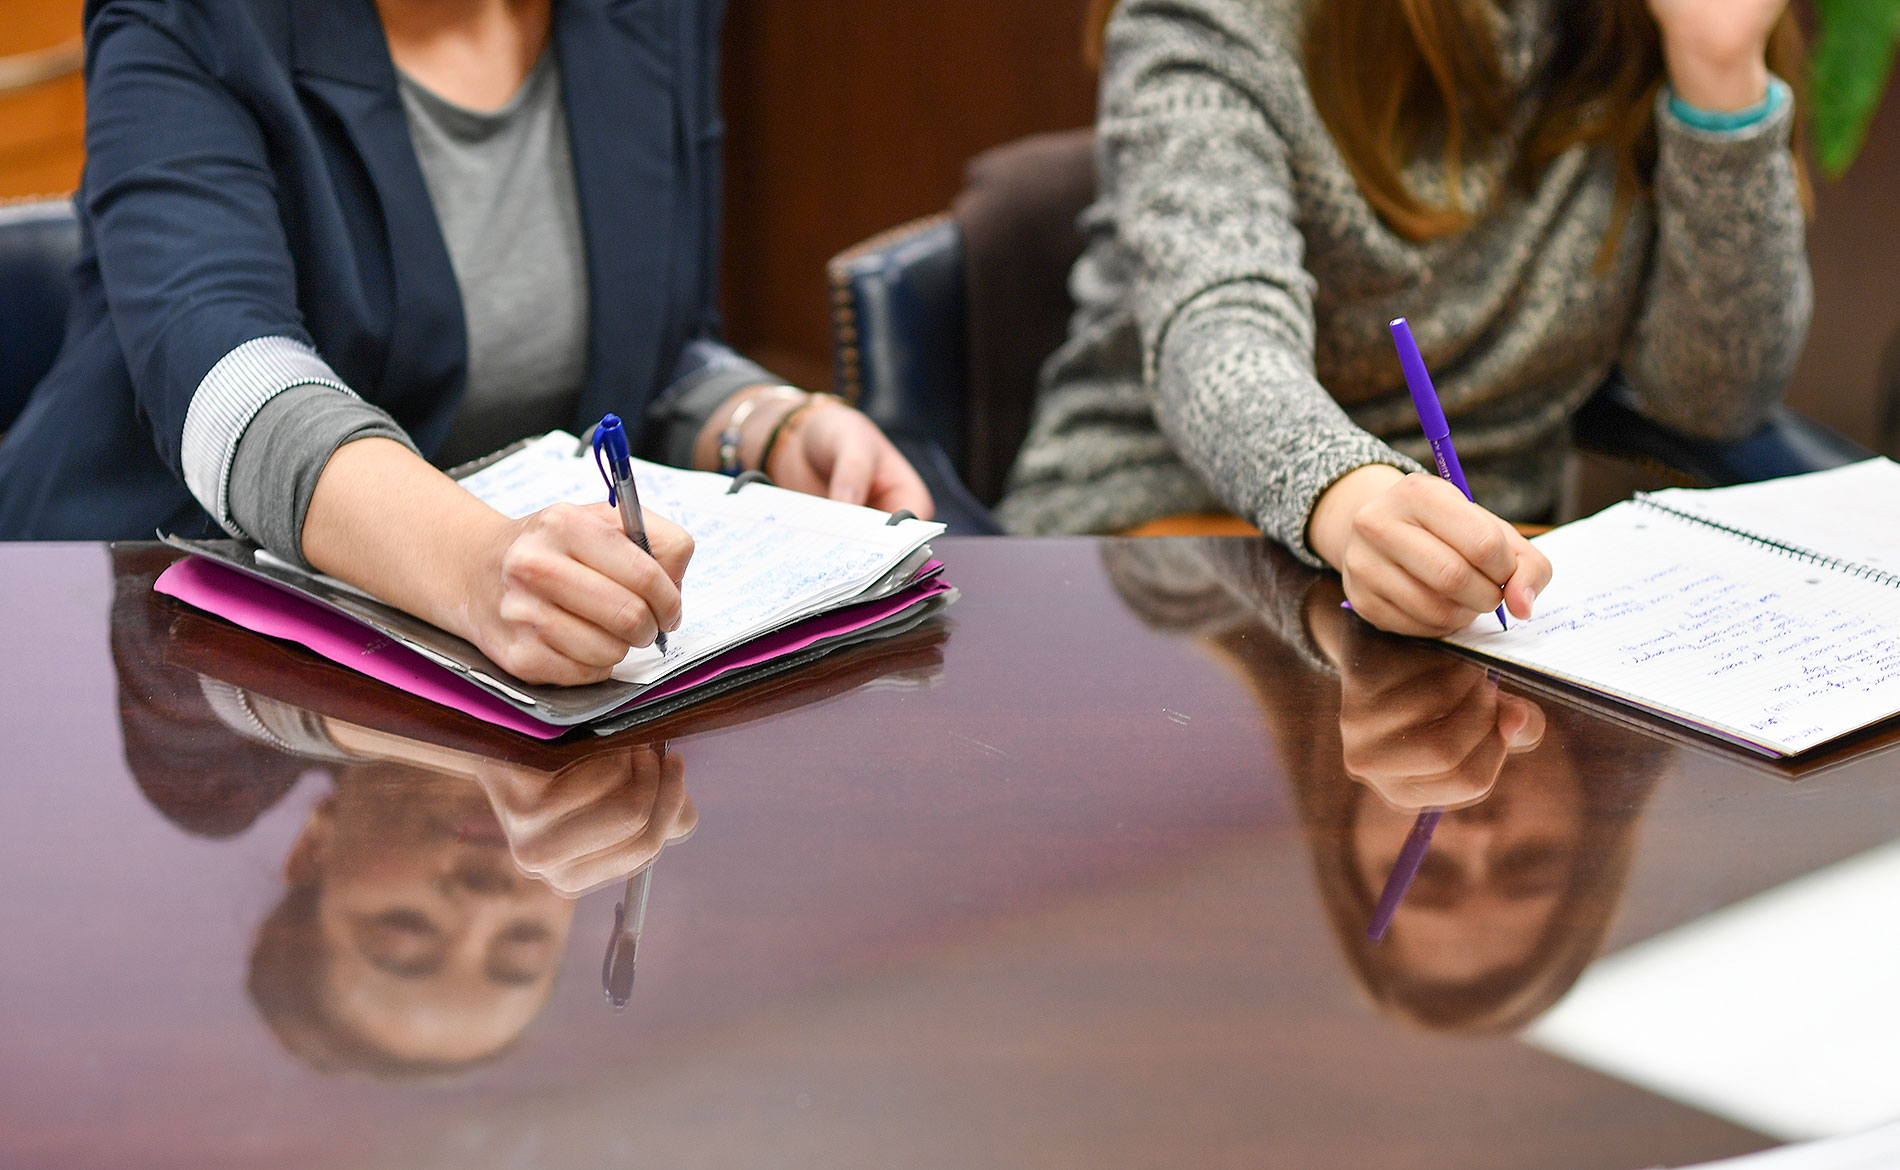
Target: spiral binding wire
[(1793, 551)]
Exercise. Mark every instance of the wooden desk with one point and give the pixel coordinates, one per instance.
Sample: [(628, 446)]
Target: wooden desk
[(1069, 884)]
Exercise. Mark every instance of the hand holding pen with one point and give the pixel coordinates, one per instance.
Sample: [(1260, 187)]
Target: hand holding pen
[(1416, 554), (614, 457), (561, 595)]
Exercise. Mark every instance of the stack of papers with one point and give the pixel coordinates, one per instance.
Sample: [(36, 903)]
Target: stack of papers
[(778, 578)]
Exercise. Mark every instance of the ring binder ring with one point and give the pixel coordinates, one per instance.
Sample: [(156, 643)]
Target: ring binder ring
[(1806, 556), (746, 477), (899, 516)]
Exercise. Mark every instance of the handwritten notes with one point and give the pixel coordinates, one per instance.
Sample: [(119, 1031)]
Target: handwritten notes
[(763, 557), (1717, 631)]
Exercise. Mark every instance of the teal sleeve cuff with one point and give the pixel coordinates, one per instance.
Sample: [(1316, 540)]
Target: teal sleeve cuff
[(1724, 121)]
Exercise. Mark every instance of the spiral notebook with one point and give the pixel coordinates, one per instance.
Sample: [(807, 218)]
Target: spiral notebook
[(1766, 614)]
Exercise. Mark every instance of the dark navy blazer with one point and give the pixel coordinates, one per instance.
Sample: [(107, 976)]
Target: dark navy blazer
[(250, 174)]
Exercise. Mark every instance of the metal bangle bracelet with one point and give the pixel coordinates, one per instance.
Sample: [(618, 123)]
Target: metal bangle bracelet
[(786, 426), (733, 433)]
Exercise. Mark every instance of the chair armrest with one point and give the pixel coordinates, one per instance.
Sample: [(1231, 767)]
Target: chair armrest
[(1786, 444), (39, 240), (23, 71), (898, 337)]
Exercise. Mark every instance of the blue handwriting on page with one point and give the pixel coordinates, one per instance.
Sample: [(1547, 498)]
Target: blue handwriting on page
[(1692, 621), (762, 557)]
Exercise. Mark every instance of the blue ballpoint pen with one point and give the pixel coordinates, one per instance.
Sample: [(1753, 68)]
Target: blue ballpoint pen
[(615, 460), (1431, 415)]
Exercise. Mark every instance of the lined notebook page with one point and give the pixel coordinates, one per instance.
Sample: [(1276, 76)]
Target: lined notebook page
[(1846, 512), (1709, 628), (762, 557)]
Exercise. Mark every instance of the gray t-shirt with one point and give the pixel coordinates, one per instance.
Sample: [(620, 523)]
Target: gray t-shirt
[(502, 186)]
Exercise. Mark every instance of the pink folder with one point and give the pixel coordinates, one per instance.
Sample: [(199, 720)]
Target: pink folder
[(266, 609)]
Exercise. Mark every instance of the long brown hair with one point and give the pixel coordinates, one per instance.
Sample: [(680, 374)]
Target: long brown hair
[(1387, 75)]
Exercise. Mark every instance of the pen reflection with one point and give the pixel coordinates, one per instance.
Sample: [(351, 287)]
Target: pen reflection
[(1517, 881), (428, 899)]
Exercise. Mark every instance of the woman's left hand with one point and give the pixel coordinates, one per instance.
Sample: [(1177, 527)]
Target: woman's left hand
[(831, 450), (1717, 50)]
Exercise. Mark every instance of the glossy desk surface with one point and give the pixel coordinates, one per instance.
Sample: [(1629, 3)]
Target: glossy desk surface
[(1077, 879)]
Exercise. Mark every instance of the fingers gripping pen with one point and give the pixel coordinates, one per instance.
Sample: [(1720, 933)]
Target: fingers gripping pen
[(1431, 416), (615, 460)]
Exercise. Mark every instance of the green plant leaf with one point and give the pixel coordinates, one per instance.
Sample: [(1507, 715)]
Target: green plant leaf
[(1853, 59)]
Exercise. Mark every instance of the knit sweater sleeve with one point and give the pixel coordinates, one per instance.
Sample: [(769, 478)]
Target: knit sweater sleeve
[(1726, 307), (1200, 184)]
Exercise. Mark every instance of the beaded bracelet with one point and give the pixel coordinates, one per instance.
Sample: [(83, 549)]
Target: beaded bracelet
[(734, 431), (786, 426)]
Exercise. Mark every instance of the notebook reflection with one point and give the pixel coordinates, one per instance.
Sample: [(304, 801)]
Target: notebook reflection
[(1519, 814)]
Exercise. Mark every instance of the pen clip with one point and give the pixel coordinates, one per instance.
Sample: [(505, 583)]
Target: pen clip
[(613, 496)]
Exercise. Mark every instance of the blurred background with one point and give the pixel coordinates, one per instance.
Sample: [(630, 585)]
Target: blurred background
[(848, 117)]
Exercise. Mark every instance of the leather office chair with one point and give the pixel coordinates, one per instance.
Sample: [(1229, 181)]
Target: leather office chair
[(940, 327), (38, 242)]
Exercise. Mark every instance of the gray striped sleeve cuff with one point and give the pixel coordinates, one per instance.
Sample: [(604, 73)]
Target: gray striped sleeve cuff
[(228, 399)]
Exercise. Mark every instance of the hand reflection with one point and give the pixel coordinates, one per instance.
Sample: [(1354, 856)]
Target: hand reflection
[(593, 821), (1521, 879), (576, 826), (1419, 727), (430, 897)]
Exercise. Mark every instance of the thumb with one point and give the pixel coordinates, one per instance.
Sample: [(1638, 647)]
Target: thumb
[(1531, 576), (851, 473)]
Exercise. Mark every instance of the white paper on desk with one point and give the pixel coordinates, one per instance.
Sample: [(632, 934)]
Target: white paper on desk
[(1877, 1149), (1712, 629), (762, 556), (1848, 513), (1780, 1013)]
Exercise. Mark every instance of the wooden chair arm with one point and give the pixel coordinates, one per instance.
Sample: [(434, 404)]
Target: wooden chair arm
[(26, 70)]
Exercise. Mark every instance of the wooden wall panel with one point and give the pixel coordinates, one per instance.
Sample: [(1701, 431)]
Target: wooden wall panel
[(42, 127), (1854, 248), (846, 117)]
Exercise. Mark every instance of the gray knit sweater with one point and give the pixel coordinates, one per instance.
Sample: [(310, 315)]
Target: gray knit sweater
[(1229, 346)]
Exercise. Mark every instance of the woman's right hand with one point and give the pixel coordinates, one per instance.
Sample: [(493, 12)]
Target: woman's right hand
[(556, 597), (562, 595), (1417, 557)]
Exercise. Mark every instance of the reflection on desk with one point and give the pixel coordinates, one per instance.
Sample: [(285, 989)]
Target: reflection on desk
[(428, 898), (1523, 875), (1082, 881)]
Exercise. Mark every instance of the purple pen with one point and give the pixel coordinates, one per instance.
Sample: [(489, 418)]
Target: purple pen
[(1411, 856), (1431, 415)]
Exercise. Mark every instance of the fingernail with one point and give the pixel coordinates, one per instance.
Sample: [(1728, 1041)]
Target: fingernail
[(676, 623), (1530, 597)]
